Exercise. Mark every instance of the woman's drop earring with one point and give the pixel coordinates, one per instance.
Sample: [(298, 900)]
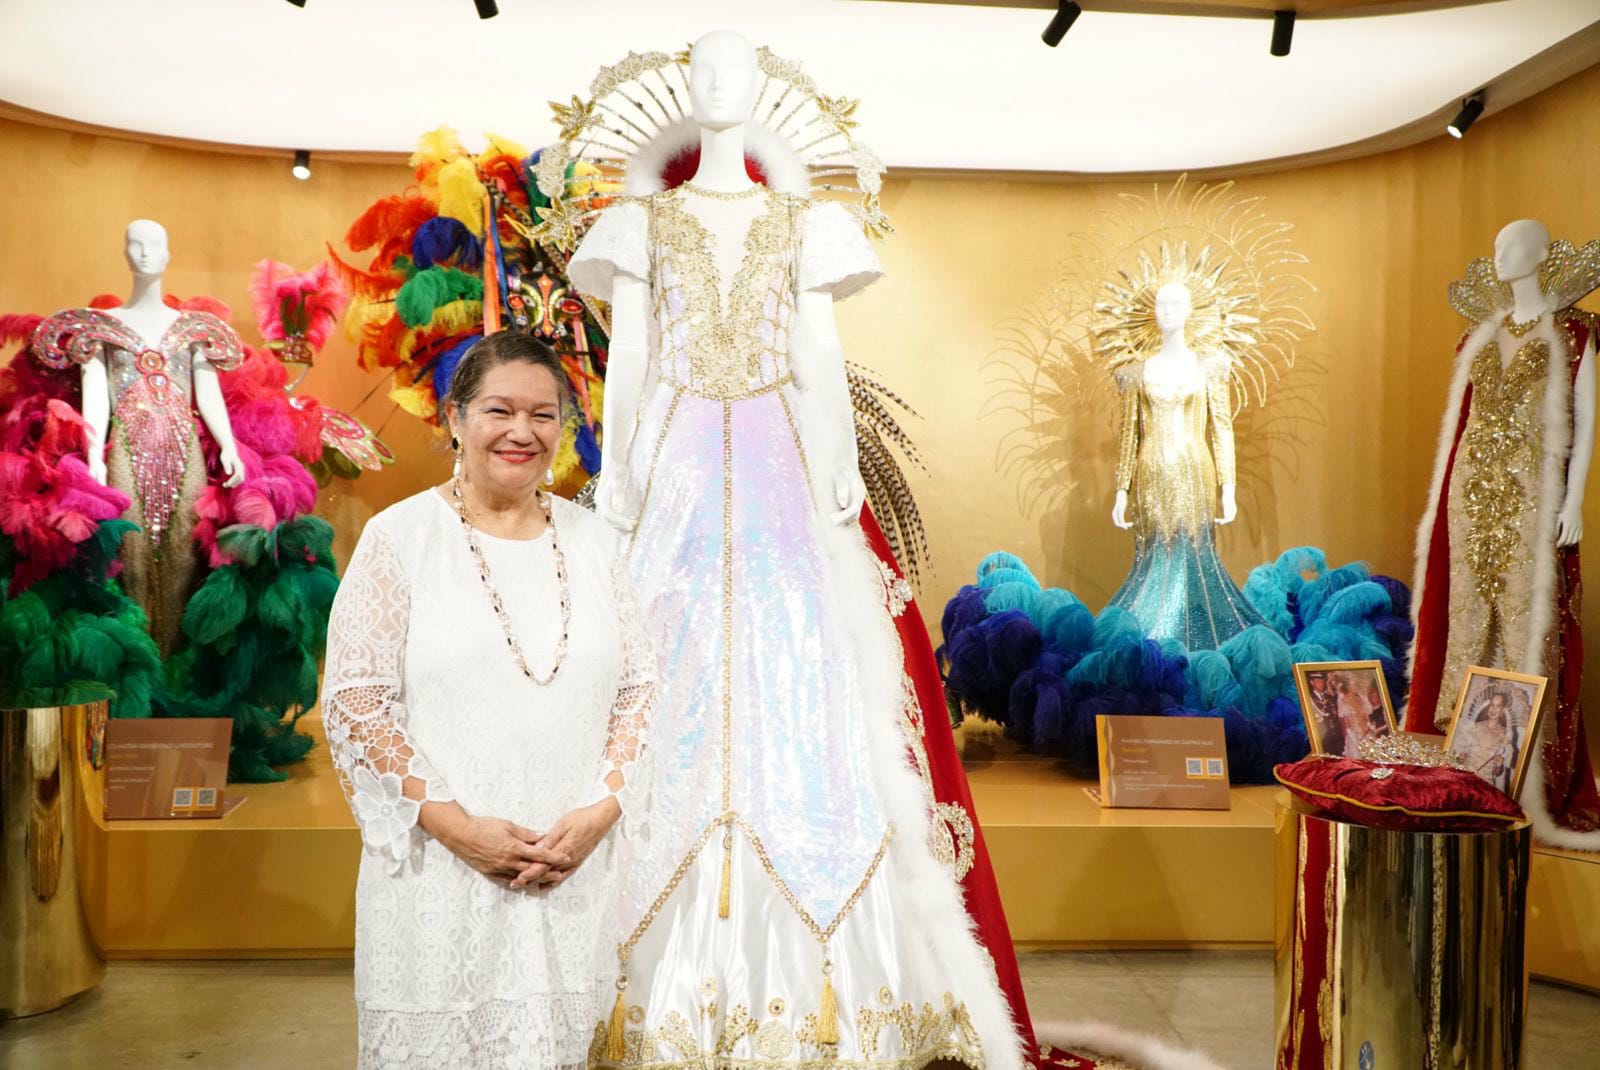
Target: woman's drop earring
[(455, 445), (549, 477)]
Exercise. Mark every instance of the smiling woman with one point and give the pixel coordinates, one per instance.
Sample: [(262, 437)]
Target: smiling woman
[(485, 768)]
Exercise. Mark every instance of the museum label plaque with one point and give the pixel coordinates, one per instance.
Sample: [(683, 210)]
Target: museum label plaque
[(166, 767), (1167, 763)]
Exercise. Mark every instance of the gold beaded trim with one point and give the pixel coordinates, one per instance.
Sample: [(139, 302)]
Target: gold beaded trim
[(723, 195)]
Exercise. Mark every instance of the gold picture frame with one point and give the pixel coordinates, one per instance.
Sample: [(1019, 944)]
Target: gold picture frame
[(1327, 724), (1500, 749)]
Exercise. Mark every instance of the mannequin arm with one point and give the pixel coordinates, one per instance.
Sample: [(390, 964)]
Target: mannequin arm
[(96, 415), (1127, 455), (627, 362), (1569, 523), (214, 413), (826, 417), (1220, 405)]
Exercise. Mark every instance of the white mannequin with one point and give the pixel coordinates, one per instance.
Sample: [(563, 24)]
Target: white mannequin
[(723, 83), (1172, 365), (1519, 250), (147, 316)]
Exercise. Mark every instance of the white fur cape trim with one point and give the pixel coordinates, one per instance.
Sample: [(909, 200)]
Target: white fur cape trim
[(933, 899), (1557, 417), (1143, 1052), (779, 162)]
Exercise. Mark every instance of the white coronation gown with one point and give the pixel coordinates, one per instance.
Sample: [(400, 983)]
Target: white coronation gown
[(778, 742), (452, 970)]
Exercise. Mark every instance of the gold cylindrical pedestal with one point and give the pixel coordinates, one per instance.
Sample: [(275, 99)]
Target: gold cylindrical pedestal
[(1398, 950), (46, 954)]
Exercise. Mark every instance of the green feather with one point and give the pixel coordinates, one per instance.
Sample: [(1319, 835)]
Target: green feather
[(218, 607), (245, 543), (429, 289)]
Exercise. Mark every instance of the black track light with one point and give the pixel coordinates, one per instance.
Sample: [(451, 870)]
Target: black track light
[(1282, 32), (302, 165), (1067, 12), (487, 9), (298, 3), (1471, 108)]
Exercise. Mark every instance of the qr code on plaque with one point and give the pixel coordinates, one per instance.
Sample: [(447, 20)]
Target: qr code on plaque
[(1195, 766), (1214, 767), (182, 798), (205, 798)]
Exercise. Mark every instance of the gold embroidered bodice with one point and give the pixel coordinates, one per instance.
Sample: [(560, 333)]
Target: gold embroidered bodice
[(1163, 459), (715, 340)]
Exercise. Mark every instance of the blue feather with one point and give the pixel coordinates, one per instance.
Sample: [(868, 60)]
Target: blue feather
[(444, 240), (444, 366)]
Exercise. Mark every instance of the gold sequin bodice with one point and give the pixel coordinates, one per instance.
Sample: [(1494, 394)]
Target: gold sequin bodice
[(1494, 492), (1165, 462), (716, 341)]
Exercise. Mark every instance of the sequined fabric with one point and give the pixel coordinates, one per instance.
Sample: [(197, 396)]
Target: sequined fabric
[(1495, 509), (1177, 587), (766, 797)]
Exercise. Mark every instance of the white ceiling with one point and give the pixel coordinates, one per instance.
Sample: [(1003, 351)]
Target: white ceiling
[(942, 85)]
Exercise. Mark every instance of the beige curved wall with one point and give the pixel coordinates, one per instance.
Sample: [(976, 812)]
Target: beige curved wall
[(1352, 436)]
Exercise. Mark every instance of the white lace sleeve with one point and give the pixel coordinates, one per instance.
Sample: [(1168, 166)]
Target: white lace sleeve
[(630, 709), (835, 256), (618, 243), (363, 703)]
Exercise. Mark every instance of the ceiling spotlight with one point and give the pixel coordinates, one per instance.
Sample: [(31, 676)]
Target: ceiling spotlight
[(487, 9), (1282, 32), (302, 165), (298, 3), (1471, 108), (1067, 12)]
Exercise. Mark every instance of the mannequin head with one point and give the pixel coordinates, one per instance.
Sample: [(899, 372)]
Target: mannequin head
[(1173, 305), (723, 80), (1520, 248), (145, 245)]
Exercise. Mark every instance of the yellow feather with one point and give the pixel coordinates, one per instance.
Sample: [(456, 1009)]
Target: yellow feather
[(417, 400), (501, 146), (452, 318), (461, 195), (437, 148)]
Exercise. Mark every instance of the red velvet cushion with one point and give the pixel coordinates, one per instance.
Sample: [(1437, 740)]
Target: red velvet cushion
[(1414, 797)]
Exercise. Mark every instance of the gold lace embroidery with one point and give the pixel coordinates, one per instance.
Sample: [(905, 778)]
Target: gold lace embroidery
[(951, 834), (923, 1033), (723, 343)]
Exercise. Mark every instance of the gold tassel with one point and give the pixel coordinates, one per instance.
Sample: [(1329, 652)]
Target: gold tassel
[(615, 1048), (727, 878), (828, 1015)]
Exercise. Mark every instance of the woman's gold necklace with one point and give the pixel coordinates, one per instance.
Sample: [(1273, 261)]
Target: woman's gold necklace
[(494, 596)]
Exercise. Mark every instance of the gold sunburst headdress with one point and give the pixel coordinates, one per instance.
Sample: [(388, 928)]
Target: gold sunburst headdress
[(633, 135), (1568, 275), (1097, 314), (1240, 270)]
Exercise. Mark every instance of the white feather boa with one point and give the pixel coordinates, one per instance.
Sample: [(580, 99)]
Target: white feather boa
[(1557, 419), (784, 170), (933, 898)]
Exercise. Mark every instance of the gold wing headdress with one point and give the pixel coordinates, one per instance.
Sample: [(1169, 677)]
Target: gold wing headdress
[(630, 137), (635, 124), (1568, 275)]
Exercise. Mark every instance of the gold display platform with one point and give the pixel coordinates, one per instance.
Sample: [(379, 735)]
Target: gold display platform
[(276, 877)]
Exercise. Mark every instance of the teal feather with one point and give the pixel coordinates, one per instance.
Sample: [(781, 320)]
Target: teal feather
[(218, 607)]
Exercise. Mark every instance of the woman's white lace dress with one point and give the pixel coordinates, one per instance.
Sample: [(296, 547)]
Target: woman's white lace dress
[(451, 969)]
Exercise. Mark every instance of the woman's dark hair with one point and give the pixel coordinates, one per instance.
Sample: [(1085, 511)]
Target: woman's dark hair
[(503, 347)]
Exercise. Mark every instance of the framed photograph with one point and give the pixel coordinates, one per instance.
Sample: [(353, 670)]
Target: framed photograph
[(1343, 703), (1495, 723)]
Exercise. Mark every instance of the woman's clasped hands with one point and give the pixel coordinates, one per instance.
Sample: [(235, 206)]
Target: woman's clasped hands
[(514, 856)]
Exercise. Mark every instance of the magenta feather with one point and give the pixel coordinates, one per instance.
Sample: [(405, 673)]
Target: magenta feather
[(305, 305)]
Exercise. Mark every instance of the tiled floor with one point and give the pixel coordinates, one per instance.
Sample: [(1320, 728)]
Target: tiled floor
[(244, 1015)]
